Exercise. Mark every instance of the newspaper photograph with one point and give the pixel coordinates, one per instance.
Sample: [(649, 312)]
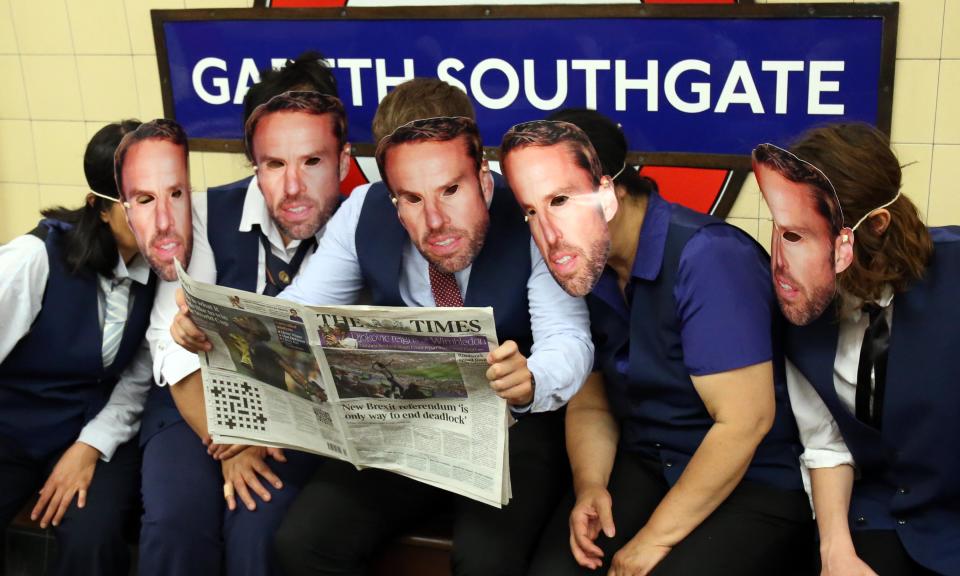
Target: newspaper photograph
[(395, 388)]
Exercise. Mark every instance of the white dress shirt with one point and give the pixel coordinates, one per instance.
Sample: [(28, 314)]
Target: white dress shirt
[(24, 270), (822, 442), (171, 363), (562, 353)]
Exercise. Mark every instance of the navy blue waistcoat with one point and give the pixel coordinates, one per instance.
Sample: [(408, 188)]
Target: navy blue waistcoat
[(499, 274), (53, 381), (236, 255), (909, 471), (661, 415)]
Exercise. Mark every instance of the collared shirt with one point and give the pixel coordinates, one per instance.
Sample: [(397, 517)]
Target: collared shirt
[(823, 445), (171, 363), (723, 293), (562, 351), (25, 268)]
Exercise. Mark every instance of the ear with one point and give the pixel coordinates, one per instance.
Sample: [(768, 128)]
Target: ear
[(345, 154), (609, 202), (843, 250), (104, 214), (879, 221), (486, 181)]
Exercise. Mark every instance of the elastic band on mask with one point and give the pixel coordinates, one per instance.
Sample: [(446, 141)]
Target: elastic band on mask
[(110, 198), (622, 168), (870, 213)]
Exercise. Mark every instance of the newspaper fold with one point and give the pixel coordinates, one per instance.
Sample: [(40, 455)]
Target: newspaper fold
[(400, 389)]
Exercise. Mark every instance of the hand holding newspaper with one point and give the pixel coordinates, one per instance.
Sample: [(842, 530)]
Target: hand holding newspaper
[(400, 389)]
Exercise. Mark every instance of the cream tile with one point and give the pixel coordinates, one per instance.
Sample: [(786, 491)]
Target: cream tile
[(948, 103), (764, 231), (197, 180), (17, 162), (53, 88), (108, 86), (920, 29), (8, 38), (99, 26), (916, 158), (914, 100), (140, 25), (148, 87), (59, 148), (951, 26), (218, 3), (748, 225), (19, 209), (944, 200), (223, 168), (42, 26), (60, 195), (13, 96), (746, 204)]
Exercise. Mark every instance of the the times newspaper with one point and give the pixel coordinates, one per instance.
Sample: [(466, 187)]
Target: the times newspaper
[(400, 389)]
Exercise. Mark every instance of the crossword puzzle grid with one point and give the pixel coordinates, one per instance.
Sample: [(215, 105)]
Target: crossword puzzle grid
[(238, 405)]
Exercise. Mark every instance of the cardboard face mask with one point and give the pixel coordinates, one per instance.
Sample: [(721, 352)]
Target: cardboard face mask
[(152, 173), (566, 210), (809, 244), (441, 194)]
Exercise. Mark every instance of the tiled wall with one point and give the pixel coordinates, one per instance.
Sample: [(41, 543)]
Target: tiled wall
[(69, 66)]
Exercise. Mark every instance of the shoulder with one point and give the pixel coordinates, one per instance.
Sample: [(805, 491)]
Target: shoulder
[(25, 257), (240, 186), (719, 240)]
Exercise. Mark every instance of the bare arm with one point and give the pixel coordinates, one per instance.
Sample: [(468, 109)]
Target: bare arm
[(742, 405), (831, 500), (592, 437), (188, 396)]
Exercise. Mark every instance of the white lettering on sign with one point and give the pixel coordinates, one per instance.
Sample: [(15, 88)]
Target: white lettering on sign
[(687, 85)]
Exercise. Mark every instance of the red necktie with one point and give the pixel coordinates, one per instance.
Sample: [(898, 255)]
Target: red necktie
[(446, 293)]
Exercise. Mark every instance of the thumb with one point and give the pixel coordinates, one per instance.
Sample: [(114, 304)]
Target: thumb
[(605, 512)]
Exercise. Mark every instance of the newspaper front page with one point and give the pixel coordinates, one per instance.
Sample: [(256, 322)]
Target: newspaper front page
[(400, 389)]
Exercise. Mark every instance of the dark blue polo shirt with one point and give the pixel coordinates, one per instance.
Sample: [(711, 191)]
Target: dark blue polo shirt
[(699, 301)]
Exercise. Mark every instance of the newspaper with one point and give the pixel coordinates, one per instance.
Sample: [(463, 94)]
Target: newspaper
[(399, 389)]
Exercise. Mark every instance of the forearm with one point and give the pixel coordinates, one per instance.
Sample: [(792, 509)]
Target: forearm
[(188, 396), (592, 436), (831, 502), (715, 470)]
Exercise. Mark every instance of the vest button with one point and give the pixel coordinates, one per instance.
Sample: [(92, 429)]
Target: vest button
[(657, 444), (902, 491), (901, 522), (861, 520), (668, 464)]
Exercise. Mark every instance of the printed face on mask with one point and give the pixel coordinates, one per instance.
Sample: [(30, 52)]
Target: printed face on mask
[(156, 192)]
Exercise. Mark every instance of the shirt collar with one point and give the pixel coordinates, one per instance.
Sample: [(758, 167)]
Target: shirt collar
[(854, 305), (649, 256), (138, 270), (255, 213)]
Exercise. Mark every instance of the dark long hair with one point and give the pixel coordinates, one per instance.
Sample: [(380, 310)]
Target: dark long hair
[(866, 174), (89, 246), (611, 145)]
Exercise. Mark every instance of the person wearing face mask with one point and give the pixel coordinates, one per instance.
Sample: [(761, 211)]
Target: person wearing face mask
[(76, 295), (684, 455), (873, 377)]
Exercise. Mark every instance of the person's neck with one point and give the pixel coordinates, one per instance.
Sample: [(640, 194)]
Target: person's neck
[(625, 230), (128, 254)]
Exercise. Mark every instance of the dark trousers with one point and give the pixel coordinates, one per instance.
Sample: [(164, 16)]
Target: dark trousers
[(883, 551), (186, 527), (343, 516), (757, 530), (90, 540)]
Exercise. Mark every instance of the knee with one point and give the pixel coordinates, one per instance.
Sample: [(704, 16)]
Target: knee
[(484, 560)]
